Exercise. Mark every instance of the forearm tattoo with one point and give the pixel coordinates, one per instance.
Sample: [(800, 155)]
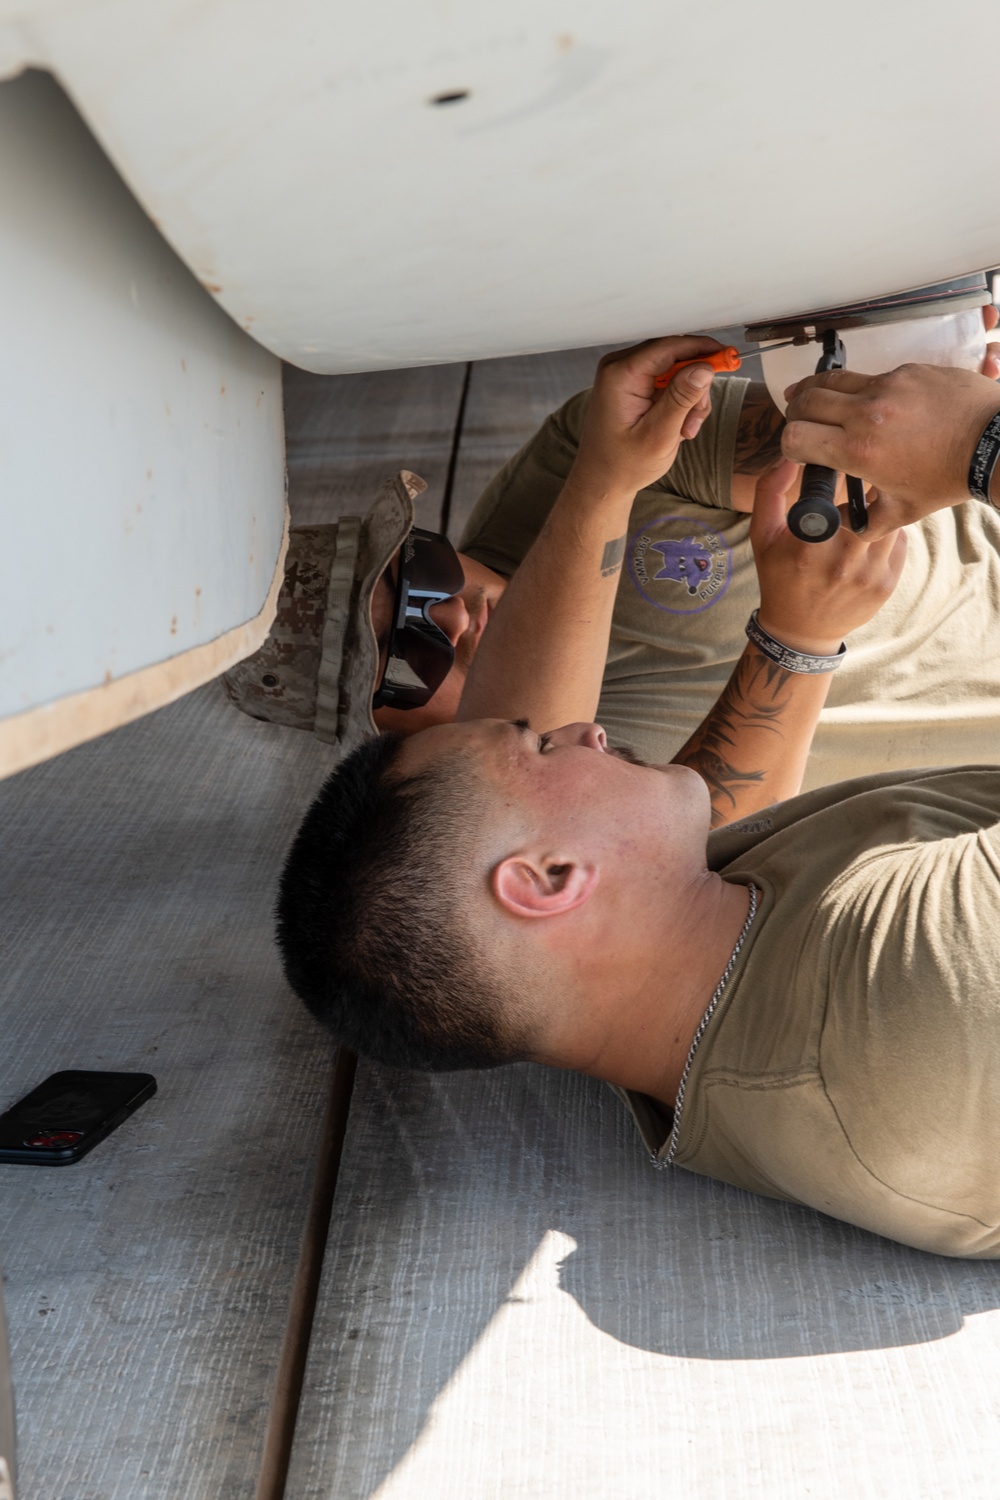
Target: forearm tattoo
[(754, 698), (614, 552), (758, 433)]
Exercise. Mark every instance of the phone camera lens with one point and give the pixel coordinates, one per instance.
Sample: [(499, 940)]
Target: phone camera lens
[(55, 1138)]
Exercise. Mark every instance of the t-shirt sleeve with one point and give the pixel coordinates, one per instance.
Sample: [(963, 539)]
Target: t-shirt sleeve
[(703, 469), (512, 509)]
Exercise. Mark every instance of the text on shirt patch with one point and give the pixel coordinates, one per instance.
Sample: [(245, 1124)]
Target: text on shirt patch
[(679, 565)]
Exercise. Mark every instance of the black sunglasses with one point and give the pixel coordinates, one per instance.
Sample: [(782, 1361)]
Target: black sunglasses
[(420, 655)]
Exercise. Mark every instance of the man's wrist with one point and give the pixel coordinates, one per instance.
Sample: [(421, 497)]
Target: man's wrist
[(598, 482), (805, 645), (599, 490)]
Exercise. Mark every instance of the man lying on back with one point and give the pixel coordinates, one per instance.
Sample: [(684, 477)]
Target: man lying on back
[(803, 1003)]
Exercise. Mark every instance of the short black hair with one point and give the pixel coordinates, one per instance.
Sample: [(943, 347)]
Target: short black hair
[(372, 929)]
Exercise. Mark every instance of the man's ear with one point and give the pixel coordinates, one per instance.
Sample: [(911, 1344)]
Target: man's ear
[(528, 886)]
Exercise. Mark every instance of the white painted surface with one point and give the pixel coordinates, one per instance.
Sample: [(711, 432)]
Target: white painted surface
[(619, 167), (141, 442)]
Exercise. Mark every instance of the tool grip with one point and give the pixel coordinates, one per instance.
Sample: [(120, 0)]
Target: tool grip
[(814, 517), (723, 361)]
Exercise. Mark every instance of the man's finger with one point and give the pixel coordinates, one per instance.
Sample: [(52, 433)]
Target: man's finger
[(688, 387), (770, 504), (884, 519), (848, 381), (818, 403), (898, 553), (696, 416), (659, 354), (878, 536), (815, 443), (890, 550), (881, 544), (655, 356)]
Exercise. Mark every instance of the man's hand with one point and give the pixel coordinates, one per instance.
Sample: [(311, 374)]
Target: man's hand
[(752, 748), (812, 597), (632, 431), (911, 433)]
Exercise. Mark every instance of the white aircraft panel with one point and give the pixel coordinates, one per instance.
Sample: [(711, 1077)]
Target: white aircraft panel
[(612, 169), (141, 449)]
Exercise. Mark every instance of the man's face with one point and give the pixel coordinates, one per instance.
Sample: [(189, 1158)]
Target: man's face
[(568, 785), (463, 619)]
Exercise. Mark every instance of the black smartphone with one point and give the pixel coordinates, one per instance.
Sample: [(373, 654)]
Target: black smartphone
[(68, 1114)]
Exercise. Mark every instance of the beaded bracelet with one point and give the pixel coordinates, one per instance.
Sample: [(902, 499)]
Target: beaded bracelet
[(792, 661), (984, 461)]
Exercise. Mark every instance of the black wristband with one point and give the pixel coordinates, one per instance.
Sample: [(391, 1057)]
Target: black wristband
[(785, 656), (984, 461)]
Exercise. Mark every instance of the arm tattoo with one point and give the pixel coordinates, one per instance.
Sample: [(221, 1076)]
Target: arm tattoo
[(754, 698), (612, 560), (758, 433)]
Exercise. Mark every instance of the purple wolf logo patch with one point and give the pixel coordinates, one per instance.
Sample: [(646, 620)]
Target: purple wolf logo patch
[(685, 562), (679, 564)]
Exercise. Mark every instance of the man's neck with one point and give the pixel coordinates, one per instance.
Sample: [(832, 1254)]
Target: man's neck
[(659, 1004)]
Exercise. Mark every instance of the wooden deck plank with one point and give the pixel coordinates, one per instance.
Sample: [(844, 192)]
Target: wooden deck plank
[(508, 399), (516, 1304), (346, 433), (147, 1287)]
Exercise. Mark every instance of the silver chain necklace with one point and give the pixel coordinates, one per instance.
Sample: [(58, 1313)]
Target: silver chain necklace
[(667, 1160)]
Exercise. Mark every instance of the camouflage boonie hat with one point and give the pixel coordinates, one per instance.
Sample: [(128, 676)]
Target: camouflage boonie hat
[(318, 667)]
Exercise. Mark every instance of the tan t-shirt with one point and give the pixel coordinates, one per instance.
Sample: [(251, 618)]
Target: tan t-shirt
[(920, 684), (853, 1061)]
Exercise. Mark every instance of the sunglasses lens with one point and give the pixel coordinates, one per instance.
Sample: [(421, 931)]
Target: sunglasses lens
[(416, 669), (420, 653), (432, 564)]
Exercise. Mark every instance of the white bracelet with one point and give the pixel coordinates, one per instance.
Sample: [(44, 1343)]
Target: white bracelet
[(785, 656)]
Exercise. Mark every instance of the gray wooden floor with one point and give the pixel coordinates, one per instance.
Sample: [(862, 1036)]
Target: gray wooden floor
[(517, 1306), (511, 1302), (148, 1286), (345, 432)]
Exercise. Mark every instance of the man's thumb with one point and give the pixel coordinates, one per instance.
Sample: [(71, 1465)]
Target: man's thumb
[(770, 500), (689, 386)]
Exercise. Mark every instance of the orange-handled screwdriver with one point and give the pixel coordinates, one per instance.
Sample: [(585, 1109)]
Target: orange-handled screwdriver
[(723, 362)]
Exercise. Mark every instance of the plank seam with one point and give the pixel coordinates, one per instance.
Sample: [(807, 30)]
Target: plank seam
[(456, 443), (290, 1377)]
